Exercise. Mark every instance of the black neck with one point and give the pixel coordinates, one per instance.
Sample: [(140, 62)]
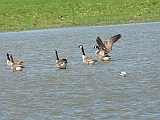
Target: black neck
[(11, 58), (56, 55), (83, 51), (8, 57)]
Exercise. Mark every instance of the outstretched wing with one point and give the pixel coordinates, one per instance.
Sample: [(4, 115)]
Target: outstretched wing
[(100, 43), (109, 42)]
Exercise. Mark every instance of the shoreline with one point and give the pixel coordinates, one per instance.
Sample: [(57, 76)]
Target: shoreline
[(45, 29)]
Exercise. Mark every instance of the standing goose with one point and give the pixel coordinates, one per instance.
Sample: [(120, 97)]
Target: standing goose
[(102, 54), (62, 64), (107, 46), (9, 62), (86, 59), (16, 66)]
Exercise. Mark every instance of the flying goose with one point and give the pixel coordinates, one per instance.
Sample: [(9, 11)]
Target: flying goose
[(9, 62), (62, 64), (102, 54), (16, 66), (86, 59), (107, 45)]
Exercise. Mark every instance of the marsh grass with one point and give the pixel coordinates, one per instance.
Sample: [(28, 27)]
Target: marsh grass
[(18, 15)]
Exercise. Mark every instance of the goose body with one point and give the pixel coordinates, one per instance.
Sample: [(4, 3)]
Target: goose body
[(101, 54), (86, 59), (16, 66), (62, 64)]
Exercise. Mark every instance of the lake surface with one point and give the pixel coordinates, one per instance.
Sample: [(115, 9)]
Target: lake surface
[(42, 91)]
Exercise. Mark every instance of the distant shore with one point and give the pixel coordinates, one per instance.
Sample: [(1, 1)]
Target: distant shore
[(20, 15)]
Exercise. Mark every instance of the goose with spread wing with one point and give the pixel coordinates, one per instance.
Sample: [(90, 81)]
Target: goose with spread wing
[(106, 47)]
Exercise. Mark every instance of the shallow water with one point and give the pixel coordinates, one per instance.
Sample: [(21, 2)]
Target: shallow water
[(41, 91)]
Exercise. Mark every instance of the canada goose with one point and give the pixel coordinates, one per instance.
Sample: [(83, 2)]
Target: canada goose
[(107, 46), (86, 59), (9, 62), (62, 64), (16, 66), (102, 54)]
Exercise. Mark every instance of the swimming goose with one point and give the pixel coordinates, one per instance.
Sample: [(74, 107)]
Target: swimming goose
[(123, 73), (86, 59), (9, 62), (107, 45), (102, 54), (16, 66), (62, 64)]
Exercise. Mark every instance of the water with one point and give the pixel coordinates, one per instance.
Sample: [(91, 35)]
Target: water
[(41, 91)]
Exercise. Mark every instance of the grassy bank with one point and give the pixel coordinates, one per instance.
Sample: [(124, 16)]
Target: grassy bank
[(18, 15)]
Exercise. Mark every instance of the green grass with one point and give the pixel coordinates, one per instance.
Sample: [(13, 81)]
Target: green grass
[(18, 15)]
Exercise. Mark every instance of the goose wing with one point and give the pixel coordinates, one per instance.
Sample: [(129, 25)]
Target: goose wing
[(101, 45), (18, 65), (61, 62), (18, 61), (109, 42)]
